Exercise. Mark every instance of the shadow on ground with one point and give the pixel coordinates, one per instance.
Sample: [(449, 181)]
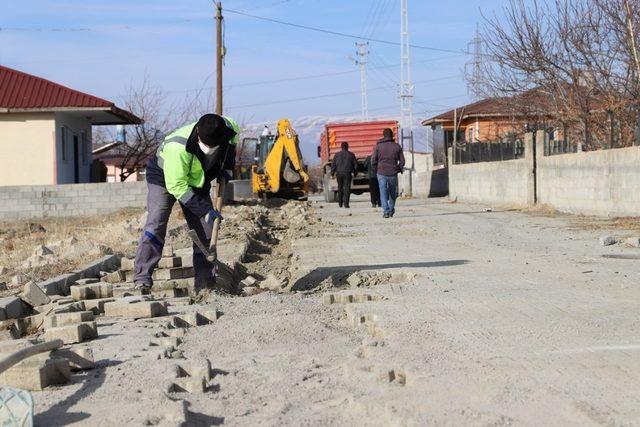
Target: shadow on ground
[(318, 275), (59, 415)]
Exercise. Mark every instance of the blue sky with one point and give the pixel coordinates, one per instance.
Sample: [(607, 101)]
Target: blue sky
[(104, 47)]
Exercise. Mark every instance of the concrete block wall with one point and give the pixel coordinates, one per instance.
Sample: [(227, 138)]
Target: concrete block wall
[(603, 183), (40, 201), (509, 182)]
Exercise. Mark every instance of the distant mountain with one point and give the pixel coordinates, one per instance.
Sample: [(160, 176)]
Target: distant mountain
[(310, 128)]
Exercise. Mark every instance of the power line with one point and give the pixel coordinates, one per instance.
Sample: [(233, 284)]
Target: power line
[(337, 33)]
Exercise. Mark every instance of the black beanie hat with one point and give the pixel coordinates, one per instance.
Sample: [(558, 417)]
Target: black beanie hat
[(213, 130)]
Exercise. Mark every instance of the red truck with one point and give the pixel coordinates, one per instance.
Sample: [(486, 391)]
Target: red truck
[(362, 138)]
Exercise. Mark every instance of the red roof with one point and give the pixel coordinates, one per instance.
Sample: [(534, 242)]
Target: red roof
[(22, 91)]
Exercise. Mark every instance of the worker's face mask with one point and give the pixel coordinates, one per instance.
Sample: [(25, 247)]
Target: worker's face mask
[(209, 151)]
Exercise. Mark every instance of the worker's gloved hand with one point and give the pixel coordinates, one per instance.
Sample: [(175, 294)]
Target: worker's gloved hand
[(211, 216), (198, 205)]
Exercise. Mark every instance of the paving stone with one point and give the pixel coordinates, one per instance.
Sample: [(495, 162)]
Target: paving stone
[(188, 385), (126, 264), (193, 319), (93, 291), (79, 358), (135, 310), (63, 319), (170, 262), (72, 334), (9, 331), (128, 290), (248, 291), (117, 276), (97, 305), (34, 295), (173, 273), (249, 281), (272, 283), (194, 369), (167, 251), (166, 342), (11, 308), (37, 373), (87, 281), (30, 324)]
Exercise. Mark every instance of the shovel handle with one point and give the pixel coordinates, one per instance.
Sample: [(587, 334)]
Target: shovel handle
[(219, 202)]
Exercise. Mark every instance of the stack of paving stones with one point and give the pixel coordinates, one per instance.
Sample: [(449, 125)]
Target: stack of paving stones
[(172, 277)]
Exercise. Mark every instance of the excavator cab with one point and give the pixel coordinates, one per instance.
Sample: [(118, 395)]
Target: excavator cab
[(278, 170)]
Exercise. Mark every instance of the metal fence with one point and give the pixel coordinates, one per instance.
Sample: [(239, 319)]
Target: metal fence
[(475, 152), (554, 147)]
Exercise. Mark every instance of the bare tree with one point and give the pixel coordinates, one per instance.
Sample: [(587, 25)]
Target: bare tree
[(571, 64)]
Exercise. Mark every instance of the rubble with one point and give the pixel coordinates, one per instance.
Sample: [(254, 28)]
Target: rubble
[(11, 308), (135, 308), (608, 240), (92, 291)]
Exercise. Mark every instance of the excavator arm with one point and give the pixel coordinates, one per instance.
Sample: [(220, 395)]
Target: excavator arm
[(275, 170)]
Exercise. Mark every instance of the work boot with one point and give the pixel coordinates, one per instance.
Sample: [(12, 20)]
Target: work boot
[(385, 215), (340, 205), (144, 288), (346, 206)]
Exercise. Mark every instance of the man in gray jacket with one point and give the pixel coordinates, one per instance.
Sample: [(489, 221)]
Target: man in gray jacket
[(388, 160)]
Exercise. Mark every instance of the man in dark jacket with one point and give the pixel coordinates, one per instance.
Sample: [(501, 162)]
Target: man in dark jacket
[(388, 160), (374, 188), (344, 167)]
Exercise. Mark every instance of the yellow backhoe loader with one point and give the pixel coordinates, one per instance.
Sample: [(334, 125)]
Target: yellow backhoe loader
[(278, 170)]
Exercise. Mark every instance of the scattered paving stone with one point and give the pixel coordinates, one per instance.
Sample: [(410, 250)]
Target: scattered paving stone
[(37, 373), (34, 295), (126, 264), (170, 262), (72, 334), (62, 319), (248, 291), (607, 240), (117, 276), (272, 283), (187, 385), (92, 291), (354, 280), (167, 251), (135, 309), (97, 305), (79, 358), (11, 308), (173, 273), (87, 281)]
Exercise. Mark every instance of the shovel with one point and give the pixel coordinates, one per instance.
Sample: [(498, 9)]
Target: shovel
[(211, 253)]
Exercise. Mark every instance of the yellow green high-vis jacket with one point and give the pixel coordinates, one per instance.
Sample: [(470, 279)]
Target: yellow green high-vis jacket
[(181, 169)]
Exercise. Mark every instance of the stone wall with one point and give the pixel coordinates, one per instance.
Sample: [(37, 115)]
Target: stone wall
[(39, 201)]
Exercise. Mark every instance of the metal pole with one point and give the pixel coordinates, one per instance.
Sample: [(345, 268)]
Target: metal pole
[(220, 51), (406, 85), (362, 52)]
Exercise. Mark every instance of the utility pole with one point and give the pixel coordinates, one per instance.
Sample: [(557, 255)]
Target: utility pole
[(362, 50), (220, 52), (474, 76), (406, 90)]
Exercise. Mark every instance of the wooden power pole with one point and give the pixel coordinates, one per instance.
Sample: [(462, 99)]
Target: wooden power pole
[(219, 56)]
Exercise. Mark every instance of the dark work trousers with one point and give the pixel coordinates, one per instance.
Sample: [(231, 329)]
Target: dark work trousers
[(374, 191), (159, 205), (344, 188)]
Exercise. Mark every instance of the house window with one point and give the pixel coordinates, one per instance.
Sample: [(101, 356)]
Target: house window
[(63, 139), (471, 134)]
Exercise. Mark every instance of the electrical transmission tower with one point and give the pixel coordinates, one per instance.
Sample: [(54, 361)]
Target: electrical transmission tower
[(362, 50), (473, 69), (406, 90)]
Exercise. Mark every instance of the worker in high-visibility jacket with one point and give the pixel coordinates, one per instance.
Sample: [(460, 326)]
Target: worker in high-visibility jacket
[(182, 169)]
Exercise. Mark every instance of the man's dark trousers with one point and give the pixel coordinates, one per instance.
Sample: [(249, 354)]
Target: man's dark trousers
[(374, 191), (159, 205), (344, 188)]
